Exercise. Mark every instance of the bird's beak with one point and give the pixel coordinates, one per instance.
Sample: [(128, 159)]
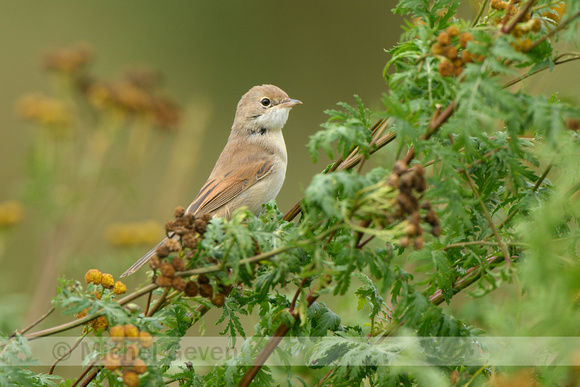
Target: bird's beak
[(288, 103)]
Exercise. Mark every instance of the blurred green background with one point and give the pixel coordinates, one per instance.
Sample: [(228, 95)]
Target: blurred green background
[(209, 54)]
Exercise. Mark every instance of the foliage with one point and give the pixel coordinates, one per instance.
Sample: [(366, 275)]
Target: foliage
[(486, 195)]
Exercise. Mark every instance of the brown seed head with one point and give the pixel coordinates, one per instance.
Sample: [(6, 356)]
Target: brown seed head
[(155, 262), (464, 38), (437, 49), (218, 300), (446, 68), (443, 38), (206, 290), (450, 52), (179, 211), (164, 282), (190, 289), (178, 283), (167, 270), (178, 264), (453, 30)]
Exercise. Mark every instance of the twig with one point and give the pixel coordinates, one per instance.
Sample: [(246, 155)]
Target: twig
[(469, 243), (91, 377), (519, 16), (149, 297), (33, 324), (324, 378), (350, 162), (76, 344), (489, 219), (481, 9), (85, 372), (560, 27), (293, 303), (536, 186), (470, 276), (271, 345), (557, 61), (159, 302)]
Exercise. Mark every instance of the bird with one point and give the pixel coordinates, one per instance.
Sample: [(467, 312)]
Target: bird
[(251, 169)]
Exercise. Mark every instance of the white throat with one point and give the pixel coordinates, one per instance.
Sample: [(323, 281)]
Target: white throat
[(273, 119)]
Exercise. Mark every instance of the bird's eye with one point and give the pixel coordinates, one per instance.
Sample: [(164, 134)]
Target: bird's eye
[(265, 102)]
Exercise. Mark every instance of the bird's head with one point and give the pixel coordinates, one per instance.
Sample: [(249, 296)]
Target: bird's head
[(263, 108)]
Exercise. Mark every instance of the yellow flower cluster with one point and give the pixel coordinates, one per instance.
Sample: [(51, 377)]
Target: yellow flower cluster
[(129, 342), (106, 280), (134, 234), (11, 213), (48, 112)]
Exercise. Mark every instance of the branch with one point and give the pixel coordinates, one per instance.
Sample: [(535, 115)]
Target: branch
[(560, 27), (518, 18), (271, 345), (352, 160), (471, 275)]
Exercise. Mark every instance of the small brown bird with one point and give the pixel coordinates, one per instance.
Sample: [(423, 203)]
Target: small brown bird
[(251, 168)]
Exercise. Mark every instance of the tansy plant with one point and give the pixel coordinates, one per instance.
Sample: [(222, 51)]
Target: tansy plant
[(471, 235)]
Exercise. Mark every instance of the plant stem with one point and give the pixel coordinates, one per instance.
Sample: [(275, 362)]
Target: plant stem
[(560, 27), (159, 302), (481, 9), (506, 29)]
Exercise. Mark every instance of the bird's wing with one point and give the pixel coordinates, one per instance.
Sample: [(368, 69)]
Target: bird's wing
[(218, 192)]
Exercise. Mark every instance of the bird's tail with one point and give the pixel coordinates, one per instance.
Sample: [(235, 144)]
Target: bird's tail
[(142, 261)]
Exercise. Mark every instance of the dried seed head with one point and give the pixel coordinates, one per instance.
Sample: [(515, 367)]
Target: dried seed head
[(418, 243), (190, 241), (178, 264), (179, 211), (437, 49), (190, 289), (218, 300), (202, 279), (206, 290), (436, 231), (443, 38), (446, 68), (200, 226), (155, 262), (164, 282), (172, 245), (450, 52), (453, 30), (399, 167), (170, 225), (162, 251), (178, 283), (167, 270), (464, 38)]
